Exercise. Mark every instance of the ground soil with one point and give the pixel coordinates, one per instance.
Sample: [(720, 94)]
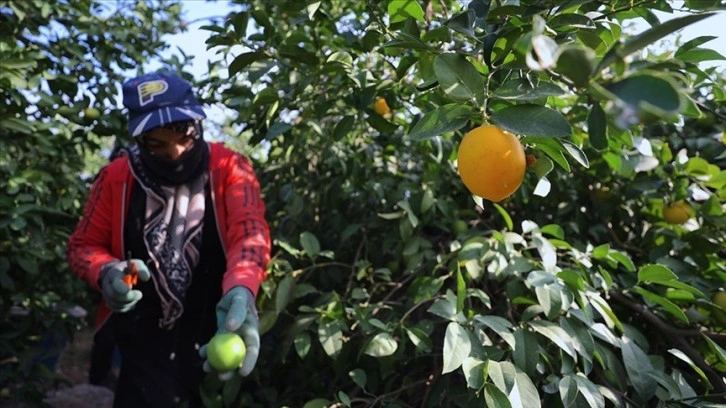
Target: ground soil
[(70, 388), (73, 364)]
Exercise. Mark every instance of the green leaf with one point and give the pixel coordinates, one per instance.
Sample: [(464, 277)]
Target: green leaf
[(495, 398), (463, 23), (457, 347), (669, 306), (243, 60), (443, 119), (681, 355), (505, 215), (581, 337), (443, 308), (575, 152), (379, 123), (382, 345), (623, 259), (603, 308), (317, 403), (460, 289), (310, 244), (343, 127), (552, 149), (542, 167), (718, 350), (302, 344), (515, 384), (655, 274), (597, 127), (330, 335), (420, 339), (648, 37), (500, 326), (697, 55), (341, 57), (532, 120), (556, 334), (525, 353), (644, 91), (402, 10), (691, 44), (578, 391), (284, 293), (475, 372), (520, 89), (458, 77), (569, 21), (638, 365)]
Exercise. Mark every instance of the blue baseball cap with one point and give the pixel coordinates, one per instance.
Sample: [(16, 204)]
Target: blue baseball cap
[(158, 99)]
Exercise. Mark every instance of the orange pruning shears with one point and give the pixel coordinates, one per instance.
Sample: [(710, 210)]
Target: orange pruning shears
[(131, 274)]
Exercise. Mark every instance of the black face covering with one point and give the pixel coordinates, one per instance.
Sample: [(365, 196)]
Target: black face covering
[(170, 172)]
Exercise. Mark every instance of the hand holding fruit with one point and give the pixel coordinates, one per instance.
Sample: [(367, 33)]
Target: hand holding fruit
[(117, 280), (237, 342)]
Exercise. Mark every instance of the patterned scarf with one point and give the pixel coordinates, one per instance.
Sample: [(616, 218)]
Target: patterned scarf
[(172, 233)]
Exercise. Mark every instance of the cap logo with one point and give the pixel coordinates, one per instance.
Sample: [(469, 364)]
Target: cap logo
[(147, 90)]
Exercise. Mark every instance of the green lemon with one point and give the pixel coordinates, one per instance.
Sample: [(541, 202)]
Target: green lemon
[(226, 351), (460, 227), (92, 113), (719, 316)]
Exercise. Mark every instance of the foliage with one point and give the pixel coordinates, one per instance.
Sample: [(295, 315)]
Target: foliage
[(390, 284), (57, 58), (574, 292)]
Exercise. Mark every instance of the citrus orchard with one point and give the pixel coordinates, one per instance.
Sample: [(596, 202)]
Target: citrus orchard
[(381, 107), (226, 351), (677, 212), (491, 162)]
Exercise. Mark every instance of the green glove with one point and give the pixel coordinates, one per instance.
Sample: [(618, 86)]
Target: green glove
[(237, 312), (117, 293)]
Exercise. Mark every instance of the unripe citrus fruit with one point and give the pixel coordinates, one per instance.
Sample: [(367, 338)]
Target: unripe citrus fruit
[(491, 162), (460, 227), (226, 351), (381, 106), (719, 316), (92, 113), (677, 212)]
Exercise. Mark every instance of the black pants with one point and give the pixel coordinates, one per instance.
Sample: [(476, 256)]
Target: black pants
[(102, 353), (161, 368)]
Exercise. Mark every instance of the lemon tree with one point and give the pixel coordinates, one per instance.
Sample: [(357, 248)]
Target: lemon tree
[(573, 290)]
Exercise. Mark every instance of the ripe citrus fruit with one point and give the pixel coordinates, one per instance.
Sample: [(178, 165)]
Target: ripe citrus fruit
[(677, 212), (491, 162), (381, 106), (226, 351)]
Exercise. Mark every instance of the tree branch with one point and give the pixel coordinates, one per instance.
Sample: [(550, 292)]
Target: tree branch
[(677, 336)]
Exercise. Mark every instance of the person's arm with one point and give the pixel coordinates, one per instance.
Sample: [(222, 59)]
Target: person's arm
[(89, 246), (248, 238)]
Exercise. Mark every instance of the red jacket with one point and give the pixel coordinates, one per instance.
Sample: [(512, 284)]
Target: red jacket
[(238, 210)]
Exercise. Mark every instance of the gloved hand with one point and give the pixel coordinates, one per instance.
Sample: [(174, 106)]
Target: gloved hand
[(118, 294), (237, 312)]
